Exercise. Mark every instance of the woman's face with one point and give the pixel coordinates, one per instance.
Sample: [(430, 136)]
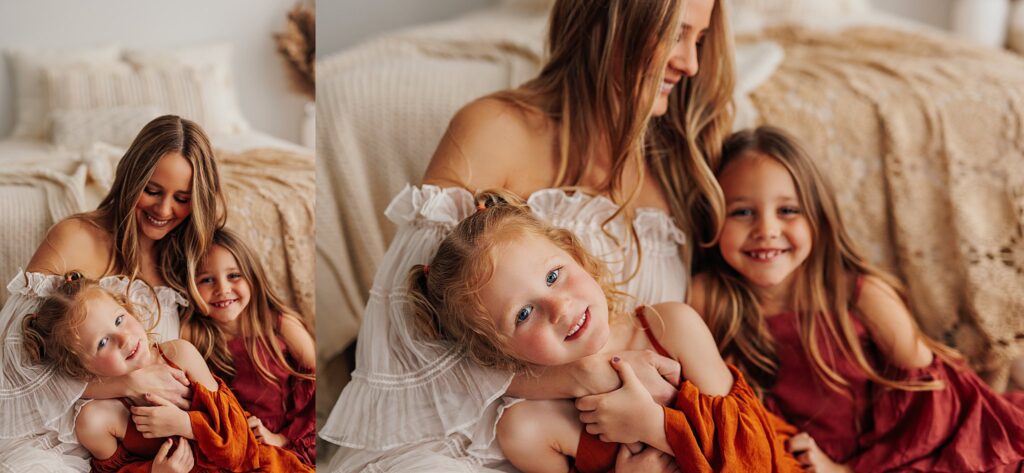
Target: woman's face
[(166, 200), (695, 16), (551, 309), (111, 341)]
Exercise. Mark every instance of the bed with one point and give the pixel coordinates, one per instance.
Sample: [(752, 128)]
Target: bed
[(78, 110), (922, 133)]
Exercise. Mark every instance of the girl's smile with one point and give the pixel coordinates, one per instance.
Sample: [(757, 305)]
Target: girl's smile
[(223, 287)]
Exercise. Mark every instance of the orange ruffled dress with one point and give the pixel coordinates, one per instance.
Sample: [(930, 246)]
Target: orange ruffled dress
[(965, 427), (223, 440), (731, 433)]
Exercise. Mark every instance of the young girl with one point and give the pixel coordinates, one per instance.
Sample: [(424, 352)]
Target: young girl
[(518, 295), (828, 336), (85, 332), (258, 344)]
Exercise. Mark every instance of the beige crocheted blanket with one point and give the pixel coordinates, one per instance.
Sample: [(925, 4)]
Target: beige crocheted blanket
[(923, 137), (270, 195)]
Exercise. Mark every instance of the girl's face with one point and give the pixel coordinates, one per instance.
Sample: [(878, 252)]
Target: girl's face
[(223, 286), (112, 342), (766, 236), (167, 198), (695, 16), (552, 311)]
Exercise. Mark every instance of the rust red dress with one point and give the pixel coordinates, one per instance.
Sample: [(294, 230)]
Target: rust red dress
[(223, 440), (731, 433), (286, 407), (965, 427)]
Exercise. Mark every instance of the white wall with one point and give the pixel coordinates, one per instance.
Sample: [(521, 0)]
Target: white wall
[(344, 23), (262, 82), (932, 12)]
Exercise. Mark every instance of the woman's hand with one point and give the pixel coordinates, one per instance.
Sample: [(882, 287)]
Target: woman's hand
[(162, 380), (647, 460), (179, 461), (162, 419), (264, 435), (626, 415), (659, 374), (806, 451)]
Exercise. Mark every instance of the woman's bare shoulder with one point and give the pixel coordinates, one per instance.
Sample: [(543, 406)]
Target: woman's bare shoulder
[(486, 141), (74, 243)]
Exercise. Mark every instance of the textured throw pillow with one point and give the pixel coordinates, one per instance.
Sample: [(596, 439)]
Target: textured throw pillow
[(93, 89), (77, 130), (213, 65), (30, 90), (748, 15)]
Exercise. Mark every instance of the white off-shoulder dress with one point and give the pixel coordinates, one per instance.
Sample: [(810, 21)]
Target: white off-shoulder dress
[(37, 405), (420, 405)]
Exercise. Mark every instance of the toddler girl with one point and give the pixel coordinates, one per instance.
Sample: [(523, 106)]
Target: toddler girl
[(519, 295), (828, 336), (258, 344), (86, 332)]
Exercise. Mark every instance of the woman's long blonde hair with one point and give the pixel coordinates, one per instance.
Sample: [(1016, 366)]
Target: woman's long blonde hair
[(444, 294), (179, 252), (258, 323), (606, 60), (823, 287)]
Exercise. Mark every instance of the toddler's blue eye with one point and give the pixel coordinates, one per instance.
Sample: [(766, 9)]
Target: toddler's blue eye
[(552, 276), (524, 314), (119, 320), (103, 343)]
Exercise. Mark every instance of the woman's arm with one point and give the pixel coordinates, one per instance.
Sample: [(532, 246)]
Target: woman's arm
[(593, 375), (165, 381)]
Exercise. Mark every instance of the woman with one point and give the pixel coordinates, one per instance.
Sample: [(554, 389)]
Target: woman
[(618, 114), (144, 240)]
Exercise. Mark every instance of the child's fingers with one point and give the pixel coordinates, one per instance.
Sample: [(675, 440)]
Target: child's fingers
[(158, 400), (161, 454), (799, 442), (623, 455), (253, 422), (588, 403), (179, 375), (635, 447), (588, 417), (626, 372)]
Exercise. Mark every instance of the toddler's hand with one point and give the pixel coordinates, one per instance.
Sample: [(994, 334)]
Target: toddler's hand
[(162, 380), (649, 460), (162, 419), (659, 374), (626, 415), (264, 435), (180, 461), (806, 451)]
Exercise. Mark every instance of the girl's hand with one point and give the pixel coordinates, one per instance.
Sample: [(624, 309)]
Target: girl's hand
[(659, 374), (648, 460), (806, 451), (264, 435), (162, 380), (162, 419), (626, 415), (180, 461)]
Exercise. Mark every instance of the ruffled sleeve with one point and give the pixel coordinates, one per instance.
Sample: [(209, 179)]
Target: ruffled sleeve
[(964, 427), (223, 440), (406, 389), (33, 397), (300, 420), (731, 433)]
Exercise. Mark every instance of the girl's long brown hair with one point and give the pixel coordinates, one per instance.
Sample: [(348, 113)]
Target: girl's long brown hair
[(823, 286), (258, 325), (445, 299), (606, 60), (179, 252)]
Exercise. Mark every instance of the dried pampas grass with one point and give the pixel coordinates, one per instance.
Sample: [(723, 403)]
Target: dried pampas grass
[(297, 45)]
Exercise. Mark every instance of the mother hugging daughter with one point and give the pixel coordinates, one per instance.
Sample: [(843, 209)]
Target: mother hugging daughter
[(140, 248)]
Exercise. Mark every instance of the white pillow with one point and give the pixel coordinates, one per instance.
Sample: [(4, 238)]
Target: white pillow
[(751, 15), (214, 62), (30, 90), (93, 89), (78, 130)]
